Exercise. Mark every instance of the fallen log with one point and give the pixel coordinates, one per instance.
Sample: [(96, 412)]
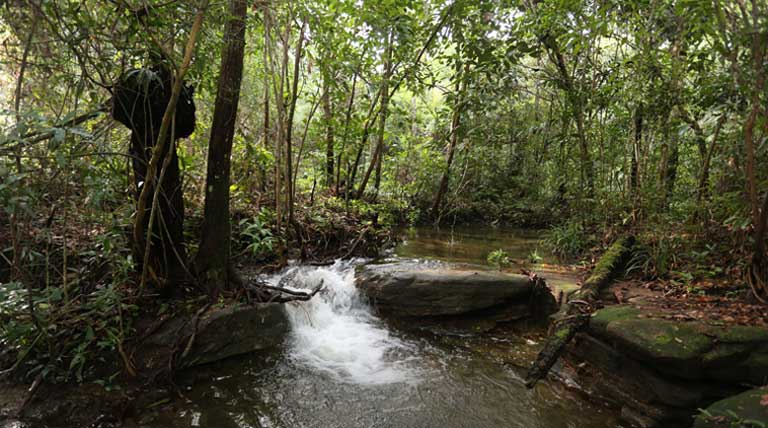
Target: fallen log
[(575, 313)]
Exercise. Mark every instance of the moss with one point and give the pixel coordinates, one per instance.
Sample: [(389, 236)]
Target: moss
[(662, 339), (603, 317), (741, 334), (687, 349), (742, 407), (725, 354), (610, 262)]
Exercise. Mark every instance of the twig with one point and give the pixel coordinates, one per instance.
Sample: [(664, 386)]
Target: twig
[(194, 331), (30, 394), (357, 241)]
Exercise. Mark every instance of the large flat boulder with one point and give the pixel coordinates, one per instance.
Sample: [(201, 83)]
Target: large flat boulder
[(412, 290)]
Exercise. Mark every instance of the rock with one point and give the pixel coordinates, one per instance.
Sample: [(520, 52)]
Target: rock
[(738, 410), (408, 290), (221, 333), (685, 349), (655, 369), (467, 324), (638, 390)]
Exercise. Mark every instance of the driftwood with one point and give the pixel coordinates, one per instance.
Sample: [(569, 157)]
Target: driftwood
[(269, 293), (575, 313)]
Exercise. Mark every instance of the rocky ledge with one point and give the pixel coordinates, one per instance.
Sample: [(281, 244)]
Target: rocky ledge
[(660, 371), (445, 298), (219, 333)]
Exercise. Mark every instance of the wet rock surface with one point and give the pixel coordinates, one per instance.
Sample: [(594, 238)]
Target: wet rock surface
[(659, 371), (451, 300), (411, 290)]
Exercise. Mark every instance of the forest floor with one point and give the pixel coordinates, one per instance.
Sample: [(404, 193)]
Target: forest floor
[(681, 305)]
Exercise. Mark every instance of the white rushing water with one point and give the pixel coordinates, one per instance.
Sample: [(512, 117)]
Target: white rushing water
[(337, 333)]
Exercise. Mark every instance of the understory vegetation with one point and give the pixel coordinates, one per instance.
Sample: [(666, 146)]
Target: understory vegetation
[(156, 153)]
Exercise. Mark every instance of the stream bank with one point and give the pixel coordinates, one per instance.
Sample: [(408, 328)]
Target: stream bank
[(342, 361)]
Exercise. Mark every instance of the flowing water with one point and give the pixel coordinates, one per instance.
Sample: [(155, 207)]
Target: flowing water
[(343, 367)]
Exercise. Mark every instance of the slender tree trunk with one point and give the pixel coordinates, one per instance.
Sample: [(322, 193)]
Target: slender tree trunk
[(671, 172), (634, 179), (16, 269), (454, 137), (574, 99), (378, 154), (749, 128), (347, 120), (703, 188), (262, 169), (289, 123), (759, 215), (369, 122), (303, 140), (212, 259), (279, 92), (328, 120)]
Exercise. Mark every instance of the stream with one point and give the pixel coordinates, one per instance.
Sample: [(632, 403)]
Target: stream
[(343, 367)]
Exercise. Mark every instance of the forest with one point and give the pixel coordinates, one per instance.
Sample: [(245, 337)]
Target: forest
[(163, 160)]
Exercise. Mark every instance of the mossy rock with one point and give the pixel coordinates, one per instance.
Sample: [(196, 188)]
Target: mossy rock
[(741, 334), (748, 409), (674, 347), (601, 318), (685, 349)]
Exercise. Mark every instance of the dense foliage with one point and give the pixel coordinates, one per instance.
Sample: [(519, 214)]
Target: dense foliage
[(357, 115)]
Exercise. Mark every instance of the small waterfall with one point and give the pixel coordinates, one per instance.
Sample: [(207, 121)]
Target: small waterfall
[(337, 333)]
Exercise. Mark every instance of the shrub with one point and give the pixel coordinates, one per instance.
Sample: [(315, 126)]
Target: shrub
[(568, 240)]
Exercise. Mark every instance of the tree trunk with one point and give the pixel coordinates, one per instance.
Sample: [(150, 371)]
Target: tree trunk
[(758, 52), (369, 122), (347, 120), (167, 254), (703, 188), (212, 260), (574, 99), (262, 169), (670, 175), (443, 188), (289, 124), (328, 120), (378, 154), (759, 269), (634, 179)]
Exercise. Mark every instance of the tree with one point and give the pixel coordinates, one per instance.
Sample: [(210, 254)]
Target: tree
[(213, 258), (461, 87)]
